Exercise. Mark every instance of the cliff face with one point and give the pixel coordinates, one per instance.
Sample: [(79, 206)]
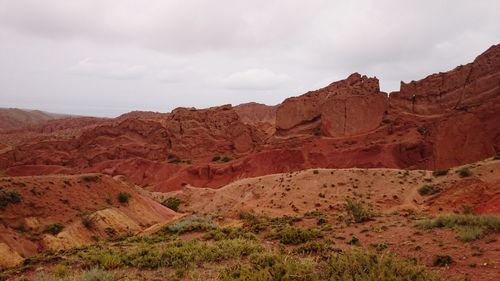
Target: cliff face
[(444, 120), (465, 86), (347, 107)]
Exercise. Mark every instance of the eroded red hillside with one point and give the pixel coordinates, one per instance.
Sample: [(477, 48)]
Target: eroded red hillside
[(444, 120)]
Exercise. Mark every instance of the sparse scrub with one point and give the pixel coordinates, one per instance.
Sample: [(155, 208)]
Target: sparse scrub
[(229, 233), (468, 226), (123, 197), (226, 159), (97, 274), (60, 270), (440, 173), (429, 189), (172, 203), (442, 261), (54, 228), (314, 247), (9, 197), (88, 221), (358, 211), (464, 172), (90, 178), (177, 254), (191, 224), (294, 235), (216, 158), (356, 265)]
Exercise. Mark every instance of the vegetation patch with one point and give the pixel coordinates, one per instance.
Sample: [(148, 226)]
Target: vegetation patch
[(468, 227), (464, 172), (358, 211), (54, 228), (191, 224), (123, 197), (172, 203), (356, 265), (294, 235), (440, 173), (171, 254), (429, 189), (8, 197)]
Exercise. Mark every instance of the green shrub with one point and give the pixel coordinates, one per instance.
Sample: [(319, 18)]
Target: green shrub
[(358, 211), (467, 226), (440, 173), (314, 247), (464, 172), (229, 233), (216, 158), (54, 228), (366, 266), (60, 270), (226, 159), (90, 178), (294, 235), (429, 189), (88, 221), (179, 254), (97, 274), (442, 260), (123, 197), (9, 197), (269, 267), (469, 233), (172, 203), (191, 224), (352, 265)]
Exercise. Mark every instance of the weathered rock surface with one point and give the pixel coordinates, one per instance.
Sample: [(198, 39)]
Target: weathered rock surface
[(444, 120)]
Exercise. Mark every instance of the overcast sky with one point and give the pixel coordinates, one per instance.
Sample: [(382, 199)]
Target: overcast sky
[(107, 57)]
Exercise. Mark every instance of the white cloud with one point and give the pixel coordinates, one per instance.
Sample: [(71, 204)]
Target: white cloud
[(181, 52), (107, 69), (255, 79)]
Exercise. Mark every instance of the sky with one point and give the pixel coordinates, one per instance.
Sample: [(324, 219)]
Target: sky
[(108, 57)]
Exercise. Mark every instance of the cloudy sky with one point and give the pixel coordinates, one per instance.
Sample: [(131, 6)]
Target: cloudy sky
[(107, 57)]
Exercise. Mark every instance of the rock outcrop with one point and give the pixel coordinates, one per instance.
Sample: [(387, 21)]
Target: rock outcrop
[(444, 120), (344, 108)]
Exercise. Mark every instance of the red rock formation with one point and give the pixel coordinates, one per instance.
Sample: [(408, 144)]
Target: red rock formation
[(444, 120), (14, 118), (465, 86), (344, 108)]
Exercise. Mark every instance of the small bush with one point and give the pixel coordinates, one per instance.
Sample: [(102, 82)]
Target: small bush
[(54, 228), (467, 226), (464, 172), (294, 235), (442, 261), (172, 203), (429, 189), (469, 233), (88, 221), (191, 224), (315, 172), (314, 247), (97, 274), (60, 270), (229, 233), (226, 159), (123, 197), (9, 197), (440, 173), (216, 158), (358, 211), (90, 178)]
